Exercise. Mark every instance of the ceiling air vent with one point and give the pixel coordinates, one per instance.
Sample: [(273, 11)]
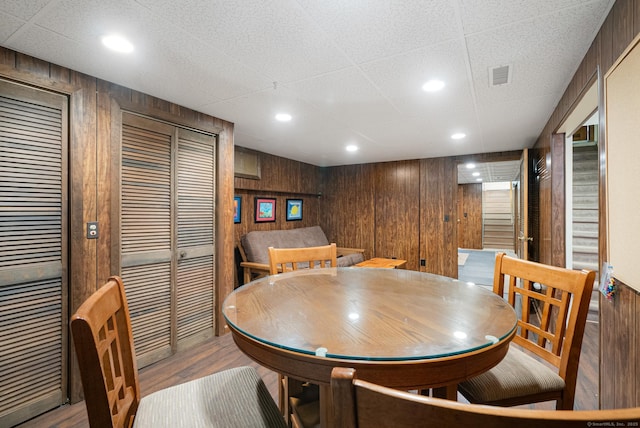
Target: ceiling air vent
[(500, 75)]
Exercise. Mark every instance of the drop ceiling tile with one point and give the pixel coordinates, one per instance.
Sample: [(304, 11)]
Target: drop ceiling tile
[(523, 118), (309, 141), (369, 29), (347, 96), (194, 72), (489, 172), (517, 44), (275, 38), (424, 137), (51, 46), (9, 26), (258, 109), (482, 15), (21, 9), (401, 77), (87, 20)]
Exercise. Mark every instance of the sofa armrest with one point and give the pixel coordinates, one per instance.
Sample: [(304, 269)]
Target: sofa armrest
[(343, 251), (252, 268)]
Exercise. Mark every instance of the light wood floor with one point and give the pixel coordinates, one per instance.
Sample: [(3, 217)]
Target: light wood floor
[(220, 353)]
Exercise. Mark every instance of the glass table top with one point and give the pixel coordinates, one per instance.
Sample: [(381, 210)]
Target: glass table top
[(369, 314)]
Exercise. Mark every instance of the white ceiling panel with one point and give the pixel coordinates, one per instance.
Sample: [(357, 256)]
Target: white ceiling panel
[(276, 39), (10, 25), (481, 15), (367, 30), (348, 72), (400, 78), (491, 172), (23, 10)]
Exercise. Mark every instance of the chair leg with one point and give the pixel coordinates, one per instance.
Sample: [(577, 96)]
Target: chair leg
[(283, 396), (449, 392)]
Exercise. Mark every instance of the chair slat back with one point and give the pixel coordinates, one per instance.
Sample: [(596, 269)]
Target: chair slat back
[(104, 345), (552, 318), (287, 259), (361, 404)]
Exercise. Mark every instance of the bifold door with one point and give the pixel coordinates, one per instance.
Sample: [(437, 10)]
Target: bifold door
[(33, 252), (167, 218)]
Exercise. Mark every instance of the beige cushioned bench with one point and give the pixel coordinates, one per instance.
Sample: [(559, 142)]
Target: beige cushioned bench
[(255, 254)]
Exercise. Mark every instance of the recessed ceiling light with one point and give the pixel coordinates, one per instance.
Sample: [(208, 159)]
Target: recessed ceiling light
[(283, 117), (117, 43), (458, 136), (433, 85), (352, 148), (478, 179), (476, 174), (470, 165)]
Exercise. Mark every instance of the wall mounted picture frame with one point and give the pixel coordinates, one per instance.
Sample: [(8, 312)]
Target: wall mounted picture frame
[(237, 209), (265, 210), (294, 209)]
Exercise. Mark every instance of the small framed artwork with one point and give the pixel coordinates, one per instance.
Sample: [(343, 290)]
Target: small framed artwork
[(265, 210), (237, 209), (294, 209)]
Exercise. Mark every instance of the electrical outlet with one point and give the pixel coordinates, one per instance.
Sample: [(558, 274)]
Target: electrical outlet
[(92, 230), (423, 262)]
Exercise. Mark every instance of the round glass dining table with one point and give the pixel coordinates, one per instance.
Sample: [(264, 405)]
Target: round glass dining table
[(399, 328)]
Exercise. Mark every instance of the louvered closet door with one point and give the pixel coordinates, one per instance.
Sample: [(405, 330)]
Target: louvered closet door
[(33, 248), (167, 218), (196, 196)]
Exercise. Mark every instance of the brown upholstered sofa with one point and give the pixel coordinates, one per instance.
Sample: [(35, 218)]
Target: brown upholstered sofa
[(255, 255)]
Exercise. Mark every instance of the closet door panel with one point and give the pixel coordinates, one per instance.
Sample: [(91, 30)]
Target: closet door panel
[(33, 252), (195, 237), (167, 224), (145, 234)]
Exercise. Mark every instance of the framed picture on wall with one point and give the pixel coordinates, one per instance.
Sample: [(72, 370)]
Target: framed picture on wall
[(237, 209), (265, 210), (294, 209)]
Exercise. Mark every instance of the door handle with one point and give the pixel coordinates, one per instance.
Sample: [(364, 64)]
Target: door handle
[(182, 254)]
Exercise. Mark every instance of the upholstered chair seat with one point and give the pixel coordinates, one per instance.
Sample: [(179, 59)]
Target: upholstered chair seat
[(517, 375)]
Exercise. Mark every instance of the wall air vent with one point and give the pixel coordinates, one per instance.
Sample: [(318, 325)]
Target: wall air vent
[(500, 75)]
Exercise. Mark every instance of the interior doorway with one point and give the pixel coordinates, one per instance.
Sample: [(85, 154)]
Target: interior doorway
[(487, 217), (581, 131)]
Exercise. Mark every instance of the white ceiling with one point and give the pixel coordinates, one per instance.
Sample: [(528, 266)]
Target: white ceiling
[(489, 172), (349, 72)]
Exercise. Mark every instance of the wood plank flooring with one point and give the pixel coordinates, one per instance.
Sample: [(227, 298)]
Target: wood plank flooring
[(220, 353)]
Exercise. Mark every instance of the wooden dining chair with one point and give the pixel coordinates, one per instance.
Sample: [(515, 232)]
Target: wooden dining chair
[(299, 401), (361, 404), (102, 337), (288, 259), (549, 333)]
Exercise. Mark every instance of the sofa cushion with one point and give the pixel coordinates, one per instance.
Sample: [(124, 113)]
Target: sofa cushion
[(256, 243), (350, 259)]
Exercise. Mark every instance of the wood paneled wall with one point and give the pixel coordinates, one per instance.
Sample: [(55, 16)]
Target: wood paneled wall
[(397, 211), (90, 154), (380, 207), (280, 174), (280, 178), (348, 206), (620, 351), (619, 326)]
